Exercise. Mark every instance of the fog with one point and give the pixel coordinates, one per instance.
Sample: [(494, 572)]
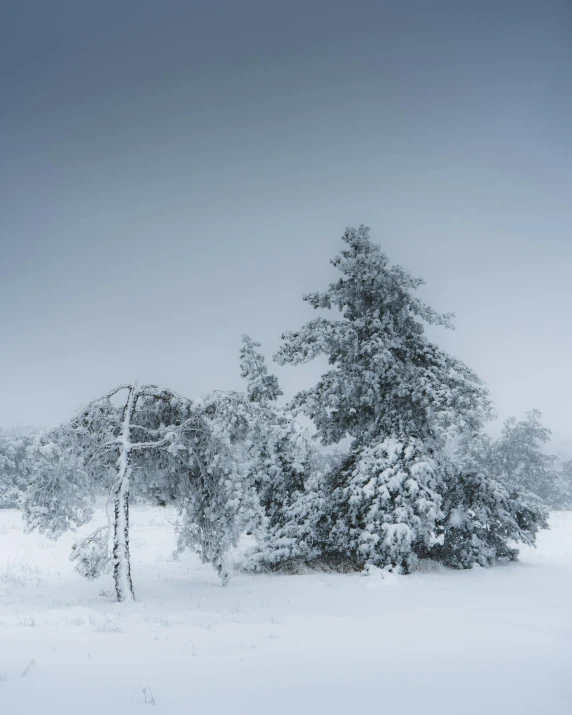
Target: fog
[(176, 174)]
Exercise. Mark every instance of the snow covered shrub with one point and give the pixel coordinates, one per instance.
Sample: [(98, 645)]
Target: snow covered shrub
[(91, 555), (13, 467), (483, 515)]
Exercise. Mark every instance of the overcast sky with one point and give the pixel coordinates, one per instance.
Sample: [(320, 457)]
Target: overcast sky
[(173, 174)]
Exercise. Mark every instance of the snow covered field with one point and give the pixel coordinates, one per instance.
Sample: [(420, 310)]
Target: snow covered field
[(480, 641)]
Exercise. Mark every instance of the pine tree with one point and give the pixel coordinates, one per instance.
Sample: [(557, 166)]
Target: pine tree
[(283, 462), (396, 394), (389, 501), (387, 377), (261, 387)]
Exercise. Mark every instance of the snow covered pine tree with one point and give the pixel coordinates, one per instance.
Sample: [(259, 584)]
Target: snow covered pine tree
[(398, 396), (288, 472)]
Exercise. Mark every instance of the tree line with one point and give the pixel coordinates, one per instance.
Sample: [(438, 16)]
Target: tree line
[(421, 478)]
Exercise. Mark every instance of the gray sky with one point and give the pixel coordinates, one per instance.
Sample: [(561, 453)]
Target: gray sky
[(173, 174)]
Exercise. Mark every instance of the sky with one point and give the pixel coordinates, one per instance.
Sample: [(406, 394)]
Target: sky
[(174, 174)]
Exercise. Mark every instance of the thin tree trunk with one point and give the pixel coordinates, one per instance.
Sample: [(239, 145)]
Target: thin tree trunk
[(121, 558)]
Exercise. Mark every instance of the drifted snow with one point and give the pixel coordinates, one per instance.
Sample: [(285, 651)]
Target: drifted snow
[(481, 641)]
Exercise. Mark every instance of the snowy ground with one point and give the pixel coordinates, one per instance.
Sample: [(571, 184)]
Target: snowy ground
[(481, 641)]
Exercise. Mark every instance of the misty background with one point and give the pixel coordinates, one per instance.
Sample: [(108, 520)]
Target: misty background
[(175, 174)]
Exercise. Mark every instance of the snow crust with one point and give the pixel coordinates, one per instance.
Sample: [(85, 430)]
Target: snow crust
[(481, 641)]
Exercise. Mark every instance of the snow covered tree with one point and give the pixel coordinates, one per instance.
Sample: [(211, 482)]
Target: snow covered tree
[(483, 514), (387, 377), (261, 387), (13, 466), (297, 530), (388, 498), (523, 462), (278, 446), (120, 433), (217, 501), (565, 485), (157, 446), (284, 465), (396, 394), (58, 496), (93, 451)]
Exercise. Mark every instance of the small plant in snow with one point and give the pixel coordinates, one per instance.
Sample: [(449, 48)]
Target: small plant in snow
[(108, 626), (91, 555)]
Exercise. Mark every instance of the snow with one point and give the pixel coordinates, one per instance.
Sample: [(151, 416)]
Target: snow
[(481, 641)]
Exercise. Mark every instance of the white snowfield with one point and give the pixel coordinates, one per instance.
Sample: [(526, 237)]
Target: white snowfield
[(480, 641)]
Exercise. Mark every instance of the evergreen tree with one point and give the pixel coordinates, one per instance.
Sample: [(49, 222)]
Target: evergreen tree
[(282, 460), (261, 387), (387, 378), (396, 394), (387, 500)]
